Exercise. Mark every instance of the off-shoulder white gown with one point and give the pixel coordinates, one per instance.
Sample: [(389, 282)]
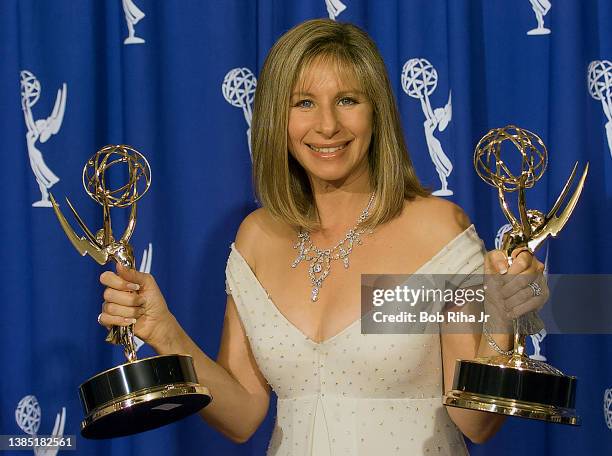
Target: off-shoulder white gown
[(353, 394)]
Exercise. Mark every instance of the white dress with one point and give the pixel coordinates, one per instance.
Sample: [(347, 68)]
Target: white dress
[(353, 394)]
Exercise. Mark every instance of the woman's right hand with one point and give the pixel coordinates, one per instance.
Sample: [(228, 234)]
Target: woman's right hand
[(134, 297)]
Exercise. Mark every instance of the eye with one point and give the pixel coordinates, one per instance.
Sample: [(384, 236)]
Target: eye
[(347, 101), (303, 104)]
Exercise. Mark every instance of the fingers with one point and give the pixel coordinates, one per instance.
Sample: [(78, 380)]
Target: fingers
[(524, 261), (122, 304), (107, 320), (497, 262), (525, 268), (133, 276), (508, 287), (521, 261), (517, 300), (110, 279), (518, 283), (531, 304), (523, 299), (123, 298), (116, 310), (128, 295)]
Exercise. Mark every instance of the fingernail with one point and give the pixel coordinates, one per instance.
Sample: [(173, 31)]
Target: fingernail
[(133, 286), (131, 321), (502, 268)]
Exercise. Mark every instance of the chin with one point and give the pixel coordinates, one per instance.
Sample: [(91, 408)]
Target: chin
[(332, 176)]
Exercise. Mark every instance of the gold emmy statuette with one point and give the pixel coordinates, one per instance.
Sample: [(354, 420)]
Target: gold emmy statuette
[(515, 384), (141, 394)]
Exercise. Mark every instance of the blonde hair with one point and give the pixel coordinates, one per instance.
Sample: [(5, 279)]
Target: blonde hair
[(280, 182)]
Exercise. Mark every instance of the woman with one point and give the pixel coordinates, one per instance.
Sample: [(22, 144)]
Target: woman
[(331, 169)]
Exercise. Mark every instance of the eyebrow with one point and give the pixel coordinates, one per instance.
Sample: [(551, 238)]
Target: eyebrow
[(339, 94)]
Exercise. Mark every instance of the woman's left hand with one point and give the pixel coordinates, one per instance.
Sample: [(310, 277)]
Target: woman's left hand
[(512, 291)]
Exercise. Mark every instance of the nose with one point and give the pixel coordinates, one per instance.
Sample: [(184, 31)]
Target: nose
[(328, 123)]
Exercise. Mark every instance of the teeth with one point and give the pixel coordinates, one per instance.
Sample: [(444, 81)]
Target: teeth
[(327, 150)]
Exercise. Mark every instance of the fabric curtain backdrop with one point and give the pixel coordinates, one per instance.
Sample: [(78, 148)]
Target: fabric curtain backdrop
[(175, 80)]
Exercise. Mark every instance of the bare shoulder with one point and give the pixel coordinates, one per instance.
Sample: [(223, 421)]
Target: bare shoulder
[(257, 232), (435, 220)]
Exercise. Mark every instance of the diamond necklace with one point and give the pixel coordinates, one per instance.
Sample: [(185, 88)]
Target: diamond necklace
[(320, 259)]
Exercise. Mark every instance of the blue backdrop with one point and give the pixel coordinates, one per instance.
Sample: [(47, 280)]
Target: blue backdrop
[(174, 79)]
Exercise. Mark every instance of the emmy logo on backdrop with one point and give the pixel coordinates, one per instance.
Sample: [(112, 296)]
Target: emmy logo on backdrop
[(607, 407), (600, 86), (40, 130), (540, 8), (133, 15), (536, 339), (334, 8), (28, 414), (239, 90), (419, 80), (500, 234)]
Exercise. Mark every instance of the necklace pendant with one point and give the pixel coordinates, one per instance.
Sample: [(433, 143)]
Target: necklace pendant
[(315, 294), (345, 261), (317, 268)]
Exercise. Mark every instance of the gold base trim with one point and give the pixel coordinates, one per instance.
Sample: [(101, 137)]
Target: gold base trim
[(520, 362), (533, 410), (144, 395)]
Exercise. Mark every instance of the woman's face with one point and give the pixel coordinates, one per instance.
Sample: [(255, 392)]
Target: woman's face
[(330, 126)]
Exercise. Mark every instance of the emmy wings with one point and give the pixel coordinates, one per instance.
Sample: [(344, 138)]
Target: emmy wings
[(554, 223), (89, 244)]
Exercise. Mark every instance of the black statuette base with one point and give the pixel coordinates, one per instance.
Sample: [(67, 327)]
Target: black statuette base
[(512, 391), (140, 396)]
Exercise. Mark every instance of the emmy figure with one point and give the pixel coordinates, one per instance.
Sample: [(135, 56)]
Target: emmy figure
[(540, 8), (133, 16), (600, 86), (334, 8), (28, 415), (141, 394), (239, 90), (419, 80), (40, 130), (513, 383)]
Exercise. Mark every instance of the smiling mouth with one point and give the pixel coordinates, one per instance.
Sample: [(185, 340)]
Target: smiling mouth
[(328, 150)]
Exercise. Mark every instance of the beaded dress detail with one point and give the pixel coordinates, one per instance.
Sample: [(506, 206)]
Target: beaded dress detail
[(353, 394)]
